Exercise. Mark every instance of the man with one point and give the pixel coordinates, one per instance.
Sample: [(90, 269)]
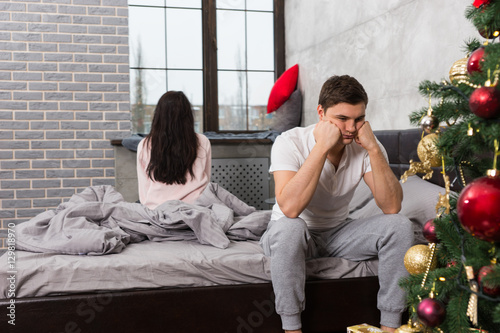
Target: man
[(316, 170)]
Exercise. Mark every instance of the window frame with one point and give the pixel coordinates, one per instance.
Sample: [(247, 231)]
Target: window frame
[(209, 60), (210, 70)]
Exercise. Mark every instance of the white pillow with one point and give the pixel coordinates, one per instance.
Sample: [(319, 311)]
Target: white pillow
[(419, 204)]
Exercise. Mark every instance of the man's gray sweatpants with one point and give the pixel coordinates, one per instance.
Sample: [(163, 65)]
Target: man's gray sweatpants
[(289, 243)]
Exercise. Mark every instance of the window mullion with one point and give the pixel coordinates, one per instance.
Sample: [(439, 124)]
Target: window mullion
[(279, 38), (246, 70), (210, 91), (166, 48)]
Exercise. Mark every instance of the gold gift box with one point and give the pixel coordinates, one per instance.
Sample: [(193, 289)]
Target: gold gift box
[(365, 328)]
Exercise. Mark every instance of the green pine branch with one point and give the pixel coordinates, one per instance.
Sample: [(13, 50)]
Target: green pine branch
[(466, 143)]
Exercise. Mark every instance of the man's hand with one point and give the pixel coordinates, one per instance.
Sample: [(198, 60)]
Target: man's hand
[(365, 137), (326, 134)]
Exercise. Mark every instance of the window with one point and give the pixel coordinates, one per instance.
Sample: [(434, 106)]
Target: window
[(224, 54)]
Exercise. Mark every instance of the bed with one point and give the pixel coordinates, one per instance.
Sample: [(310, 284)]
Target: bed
[(185, 286)]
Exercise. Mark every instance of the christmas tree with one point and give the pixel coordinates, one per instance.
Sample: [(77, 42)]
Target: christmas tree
[(454, 282)]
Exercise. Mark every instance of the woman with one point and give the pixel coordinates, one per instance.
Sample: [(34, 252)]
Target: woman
[(173, 161)]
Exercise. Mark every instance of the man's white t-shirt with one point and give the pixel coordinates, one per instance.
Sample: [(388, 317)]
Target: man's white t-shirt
[(329, 205)]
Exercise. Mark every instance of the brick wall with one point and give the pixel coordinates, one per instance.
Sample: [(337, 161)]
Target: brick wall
[(64, 94)]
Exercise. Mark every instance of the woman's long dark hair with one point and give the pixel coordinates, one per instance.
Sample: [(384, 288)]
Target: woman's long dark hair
[(172, 140)]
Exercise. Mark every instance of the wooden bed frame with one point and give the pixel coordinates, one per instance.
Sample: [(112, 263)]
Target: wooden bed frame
[(332, 305)]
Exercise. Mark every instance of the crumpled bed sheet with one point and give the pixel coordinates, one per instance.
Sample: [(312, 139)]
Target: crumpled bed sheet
[(99, 221)]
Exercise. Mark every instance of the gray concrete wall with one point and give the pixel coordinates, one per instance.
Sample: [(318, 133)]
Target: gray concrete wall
[(389, 46)]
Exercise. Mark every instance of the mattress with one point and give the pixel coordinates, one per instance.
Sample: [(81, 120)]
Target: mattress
[(151, 265)]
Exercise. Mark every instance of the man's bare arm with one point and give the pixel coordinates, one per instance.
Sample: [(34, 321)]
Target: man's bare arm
[(294, 190), (383, 183)]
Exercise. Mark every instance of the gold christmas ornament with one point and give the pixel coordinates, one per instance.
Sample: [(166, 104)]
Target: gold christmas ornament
[(417, 259), (470, 130), (472, 305), (418, 167), (427, 150), (444, 199), (492, 173), (410, 328), (429, 157), (458, 72), (430, 262)]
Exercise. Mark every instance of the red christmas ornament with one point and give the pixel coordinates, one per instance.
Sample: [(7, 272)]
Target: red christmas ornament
[(429, 231), (485, 270), (478, 208), (484, 102), (489, 33), (431, 312), (475, 60), (452, 263), (479, 3)]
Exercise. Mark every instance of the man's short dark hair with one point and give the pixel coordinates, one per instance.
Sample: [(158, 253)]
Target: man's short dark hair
[(342, 89)]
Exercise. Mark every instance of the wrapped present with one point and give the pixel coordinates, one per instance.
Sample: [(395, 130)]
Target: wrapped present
[(365, 328)]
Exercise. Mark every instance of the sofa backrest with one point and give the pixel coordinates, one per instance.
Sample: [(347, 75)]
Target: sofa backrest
[(401, 147)]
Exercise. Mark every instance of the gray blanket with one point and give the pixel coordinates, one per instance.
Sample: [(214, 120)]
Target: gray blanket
[(98, 221)]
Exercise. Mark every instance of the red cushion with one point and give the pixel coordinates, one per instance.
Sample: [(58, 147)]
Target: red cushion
[(283, 88)]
